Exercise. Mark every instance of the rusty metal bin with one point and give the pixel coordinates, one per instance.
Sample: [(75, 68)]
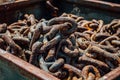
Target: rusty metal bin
[(13, 68)]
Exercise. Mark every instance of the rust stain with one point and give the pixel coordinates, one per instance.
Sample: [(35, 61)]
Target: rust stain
[(26, 67)]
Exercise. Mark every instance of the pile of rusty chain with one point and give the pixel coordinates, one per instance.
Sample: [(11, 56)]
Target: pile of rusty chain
[(68, 47)]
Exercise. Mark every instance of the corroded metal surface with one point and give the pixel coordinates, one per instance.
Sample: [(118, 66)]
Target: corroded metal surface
[(112, 75), (17, 4), (11, 12), (27, 70), (98, 4)]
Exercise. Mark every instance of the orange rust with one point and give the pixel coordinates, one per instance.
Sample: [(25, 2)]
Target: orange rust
[(25, 67)]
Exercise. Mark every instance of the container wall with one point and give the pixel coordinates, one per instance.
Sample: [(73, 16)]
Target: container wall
[(88, 12)]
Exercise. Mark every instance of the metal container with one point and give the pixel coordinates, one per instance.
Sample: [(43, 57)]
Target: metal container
[(13, 68)]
